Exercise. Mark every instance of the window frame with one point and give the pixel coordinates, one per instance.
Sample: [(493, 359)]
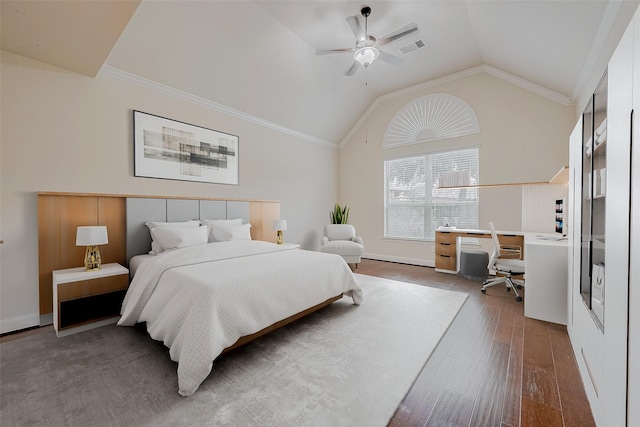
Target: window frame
[(427, 204)]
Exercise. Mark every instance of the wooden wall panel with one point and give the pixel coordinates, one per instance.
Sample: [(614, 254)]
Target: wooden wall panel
[(255, 212), (270, 212), (58, 219), (262, 214), (112, 213)]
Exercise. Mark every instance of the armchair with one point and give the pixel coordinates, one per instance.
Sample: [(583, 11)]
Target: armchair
[(341, 239)]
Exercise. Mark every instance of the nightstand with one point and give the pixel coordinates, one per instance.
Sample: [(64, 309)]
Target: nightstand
[(84, 300)]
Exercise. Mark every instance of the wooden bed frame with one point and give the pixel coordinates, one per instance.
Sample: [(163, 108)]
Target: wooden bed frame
[(248, 338)]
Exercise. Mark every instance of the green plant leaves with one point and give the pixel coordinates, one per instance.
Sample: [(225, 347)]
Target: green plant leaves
[(339, 215)]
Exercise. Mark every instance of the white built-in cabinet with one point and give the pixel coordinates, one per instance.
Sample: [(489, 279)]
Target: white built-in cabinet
[(604, 239), (633, 396)]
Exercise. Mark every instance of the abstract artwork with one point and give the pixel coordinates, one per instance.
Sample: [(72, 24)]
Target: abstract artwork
[(169, 149)]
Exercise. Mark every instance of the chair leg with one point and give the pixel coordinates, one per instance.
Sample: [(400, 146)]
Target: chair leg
[(515, 289), (509, 283), (492, 282)]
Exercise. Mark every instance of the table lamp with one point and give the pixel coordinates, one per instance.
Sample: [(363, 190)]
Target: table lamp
[(91, 237), (279, 225)]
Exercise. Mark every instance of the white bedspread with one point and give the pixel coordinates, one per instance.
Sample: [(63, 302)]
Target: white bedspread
[(199, 300)]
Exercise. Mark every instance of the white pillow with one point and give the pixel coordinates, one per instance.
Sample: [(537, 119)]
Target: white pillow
[(155, 247), (194, 223), (241, 232), (173, 238), (235, 221), (220, 222), (226, 233)]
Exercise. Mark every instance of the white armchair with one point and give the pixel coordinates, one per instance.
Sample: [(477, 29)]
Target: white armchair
[(341, 239)]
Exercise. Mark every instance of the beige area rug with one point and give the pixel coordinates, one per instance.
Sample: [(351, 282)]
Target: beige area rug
[(345, 365)]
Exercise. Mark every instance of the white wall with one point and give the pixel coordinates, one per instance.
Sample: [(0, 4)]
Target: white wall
[(65, 132), (523, 138)]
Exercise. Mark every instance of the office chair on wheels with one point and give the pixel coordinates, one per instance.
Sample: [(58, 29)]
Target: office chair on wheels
[(508, 267)]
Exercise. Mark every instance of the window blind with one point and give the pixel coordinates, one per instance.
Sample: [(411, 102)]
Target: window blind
[(415, 206)]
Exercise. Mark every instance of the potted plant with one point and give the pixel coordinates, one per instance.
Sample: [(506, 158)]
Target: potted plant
[(339, 215)]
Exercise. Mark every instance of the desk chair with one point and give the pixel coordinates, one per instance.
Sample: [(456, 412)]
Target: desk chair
[(507, 267)]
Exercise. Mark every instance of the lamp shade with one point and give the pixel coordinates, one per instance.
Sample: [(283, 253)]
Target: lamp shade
[(366, 55), (92, 235), (280, 224)]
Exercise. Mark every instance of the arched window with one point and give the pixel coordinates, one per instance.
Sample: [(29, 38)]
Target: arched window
[(431, 118)]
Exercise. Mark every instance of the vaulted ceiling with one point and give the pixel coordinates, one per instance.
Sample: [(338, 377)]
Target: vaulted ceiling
[(258, 57)]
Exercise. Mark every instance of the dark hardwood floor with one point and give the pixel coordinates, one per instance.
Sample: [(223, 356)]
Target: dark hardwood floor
[(493, 367)]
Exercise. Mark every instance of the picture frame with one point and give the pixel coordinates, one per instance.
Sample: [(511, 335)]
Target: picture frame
[(170, 149)]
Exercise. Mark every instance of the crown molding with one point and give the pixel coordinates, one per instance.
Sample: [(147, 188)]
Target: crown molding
[(115, 73), (503, 75), (526, 84), (108, 71)]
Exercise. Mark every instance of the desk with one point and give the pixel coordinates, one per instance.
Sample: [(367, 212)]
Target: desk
[(546, 278), (546, 261), (448, 246)]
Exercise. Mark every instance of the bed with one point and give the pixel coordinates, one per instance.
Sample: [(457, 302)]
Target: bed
[(204, 299)]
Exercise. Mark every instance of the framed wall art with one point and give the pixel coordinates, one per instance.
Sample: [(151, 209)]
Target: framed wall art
[(170, 149)]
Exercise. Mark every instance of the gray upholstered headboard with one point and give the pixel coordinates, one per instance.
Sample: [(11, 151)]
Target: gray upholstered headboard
[(141, 210)]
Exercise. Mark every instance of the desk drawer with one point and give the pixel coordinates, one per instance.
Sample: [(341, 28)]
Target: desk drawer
[(443, 248), (446, 262), (442, 237)]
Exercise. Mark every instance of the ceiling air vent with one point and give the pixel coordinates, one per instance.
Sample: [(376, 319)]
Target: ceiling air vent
[(413, 46)]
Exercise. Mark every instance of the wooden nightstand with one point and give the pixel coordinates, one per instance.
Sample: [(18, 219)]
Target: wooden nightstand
[(84, 300)]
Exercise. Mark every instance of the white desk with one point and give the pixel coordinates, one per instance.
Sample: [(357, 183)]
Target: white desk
[(546, 278), (546, 264)]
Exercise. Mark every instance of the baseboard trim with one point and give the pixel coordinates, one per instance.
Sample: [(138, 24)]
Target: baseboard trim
[(400, 260), (17, 323), (46, 319)]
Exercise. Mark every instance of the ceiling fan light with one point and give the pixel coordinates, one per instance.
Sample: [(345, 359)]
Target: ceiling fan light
[(366, 55)]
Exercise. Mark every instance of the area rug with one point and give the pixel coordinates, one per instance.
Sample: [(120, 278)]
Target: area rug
[(345, 365)]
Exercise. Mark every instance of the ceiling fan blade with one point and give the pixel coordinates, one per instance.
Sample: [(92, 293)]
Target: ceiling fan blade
[(356, 27), (330, 51), (387, 57), (353, 68), (398, 34)]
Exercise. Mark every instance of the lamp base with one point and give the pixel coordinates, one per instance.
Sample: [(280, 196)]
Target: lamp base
[(279, 238), (92, 259)]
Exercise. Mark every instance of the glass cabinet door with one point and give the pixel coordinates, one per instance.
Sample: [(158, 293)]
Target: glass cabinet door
[(585, 233), (594, 172)]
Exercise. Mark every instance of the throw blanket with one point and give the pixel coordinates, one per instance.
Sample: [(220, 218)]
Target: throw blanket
[(199, 300)]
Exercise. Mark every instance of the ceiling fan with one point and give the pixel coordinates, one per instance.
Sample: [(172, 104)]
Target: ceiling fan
[(367, 46)]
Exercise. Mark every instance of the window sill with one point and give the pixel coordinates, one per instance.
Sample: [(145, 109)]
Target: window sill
[(408, 239)]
